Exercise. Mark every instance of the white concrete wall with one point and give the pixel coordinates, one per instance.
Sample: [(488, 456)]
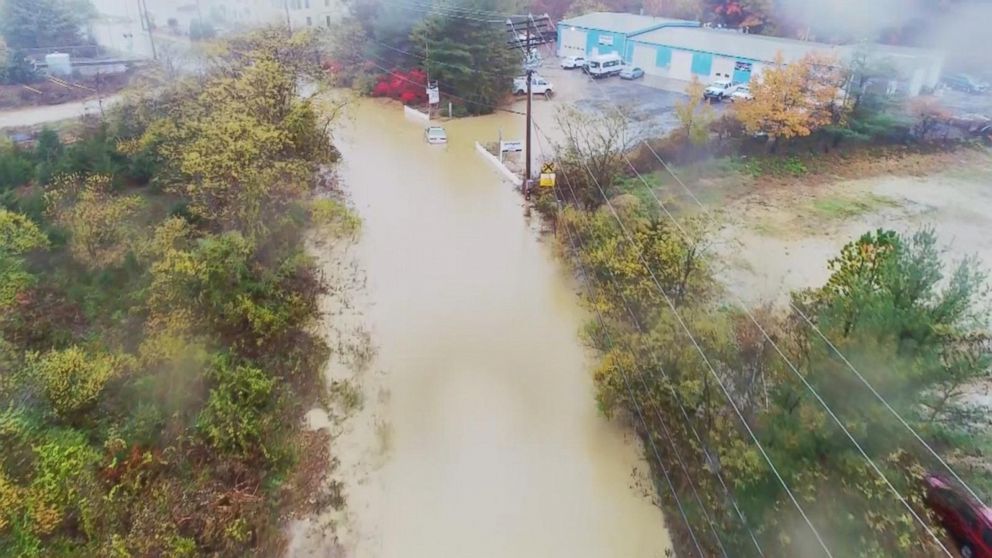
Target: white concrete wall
[(681, 67)]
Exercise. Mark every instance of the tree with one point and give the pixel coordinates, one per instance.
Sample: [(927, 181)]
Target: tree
[(469, 59), (201, 30), (100, 223), (592, 154), (247, 146), (739, 13), (794, 100), (928, 113), (695, 114), (43, 23), (679, 9), (579, 7), (18, 236), (233, 419), (73, 379)]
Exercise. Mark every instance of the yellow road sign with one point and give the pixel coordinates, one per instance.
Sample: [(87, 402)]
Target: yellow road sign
[(548, 168), (548, 179)]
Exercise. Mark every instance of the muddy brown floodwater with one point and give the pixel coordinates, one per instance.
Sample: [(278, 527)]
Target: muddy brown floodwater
[(485, 417)]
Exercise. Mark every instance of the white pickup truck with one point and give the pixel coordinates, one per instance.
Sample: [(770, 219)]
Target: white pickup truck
[(719, 90), (538, 85)]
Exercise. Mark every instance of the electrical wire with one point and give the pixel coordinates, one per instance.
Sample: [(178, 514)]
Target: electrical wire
[(640, 415), (669, 382), (708, 364), (688, 422), (899, 496), (871, 388)]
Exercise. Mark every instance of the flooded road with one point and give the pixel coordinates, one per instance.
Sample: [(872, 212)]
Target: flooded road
[(492, 442)]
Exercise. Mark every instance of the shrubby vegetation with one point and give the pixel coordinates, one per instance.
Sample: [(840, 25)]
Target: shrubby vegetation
[(156, 316), (915, 326)]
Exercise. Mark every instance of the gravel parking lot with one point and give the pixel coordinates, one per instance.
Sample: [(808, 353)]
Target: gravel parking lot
[(650, 105)]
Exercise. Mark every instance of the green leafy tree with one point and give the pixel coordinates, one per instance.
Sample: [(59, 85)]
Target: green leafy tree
[(100, 223), (73, 379), (43, 23), (234, 418), (469, 59), (18, 236), (694, 114)]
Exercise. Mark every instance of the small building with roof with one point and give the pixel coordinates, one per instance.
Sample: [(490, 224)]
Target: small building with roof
[(681, 50)]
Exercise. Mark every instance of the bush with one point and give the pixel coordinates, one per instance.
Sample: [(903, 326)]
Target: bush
[(72, 379), (16, 168), (234, 419), (200, 30)]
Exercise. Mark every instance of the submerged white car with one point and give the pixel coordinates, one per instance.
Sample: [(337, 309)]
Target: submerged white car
[(435, 135)]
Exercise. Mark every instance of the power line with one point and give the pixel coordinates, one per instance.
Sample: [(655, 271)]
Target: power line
[(640, 416), (833, 347), (902, 499), (668, 378), (709, 366), (688, 422), (420, 8)]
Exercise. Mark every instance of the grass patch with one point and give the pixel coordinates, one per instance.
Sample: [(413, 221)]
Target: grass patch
[(846, 208), (773, 166)]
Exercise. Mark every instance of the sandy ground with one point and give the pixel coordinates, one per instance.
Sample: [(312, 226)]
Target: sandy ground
[(780, 239)]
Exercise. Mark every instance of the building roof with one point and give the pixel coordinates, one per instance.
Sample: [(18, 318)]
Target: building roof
[(733, 43), (620, 22)]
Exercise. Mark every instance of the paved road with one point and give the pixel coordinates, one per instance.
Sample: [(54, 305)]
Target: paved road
[(53, 113)]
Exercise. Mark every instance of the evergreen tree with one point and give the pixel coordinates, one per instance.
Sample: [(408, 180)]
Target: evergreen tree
[(469, 58), (44, 23)]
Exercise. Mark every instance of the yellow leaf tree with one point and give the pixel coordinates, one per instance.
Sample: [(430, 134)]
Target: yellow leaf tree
[(794, 100), (694, 114), (100, 222)]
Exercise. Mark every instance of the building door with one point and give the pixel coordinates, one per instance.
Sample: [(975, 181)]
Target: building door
[(572, 43), (681, 67), (742, 72)]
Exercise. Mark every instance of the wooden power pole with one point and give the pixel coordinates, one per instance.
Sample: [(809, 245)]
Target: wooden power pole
[(537, 31)]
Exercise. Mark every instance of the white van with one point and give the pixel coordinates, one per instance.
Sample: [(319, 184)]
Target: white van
[(603, 65)]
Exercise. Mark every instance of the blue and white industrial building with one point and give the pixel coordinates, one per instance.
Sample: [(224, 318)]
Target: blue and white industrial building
[(680, 50)]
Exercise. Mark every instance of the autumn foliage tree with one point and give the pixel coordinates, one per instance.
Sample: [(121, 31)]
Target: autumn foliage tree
[(694, 114), (794, 100)]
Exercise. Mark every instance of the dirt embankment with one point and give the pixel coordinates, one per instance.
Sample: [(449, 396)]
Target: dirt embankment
[(779, 232), (54, 92)]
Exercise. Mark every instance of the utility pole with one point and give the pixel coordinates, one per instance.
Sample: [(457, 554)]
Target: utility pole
[(537, 31), (289, 24), (143, 11), (530, 78)]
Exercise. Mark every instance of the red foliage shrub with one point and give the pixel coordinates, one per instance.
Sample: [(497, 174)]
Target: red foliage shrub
[(406, 87)]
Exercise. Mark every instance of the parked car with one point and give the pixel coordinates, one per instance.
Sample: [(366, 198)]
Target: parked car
[(742, 93), (631, 72), (573, 62), (435, 135), (604, 65), (719, 90), (968, 522), (966, 83), (538, 85)]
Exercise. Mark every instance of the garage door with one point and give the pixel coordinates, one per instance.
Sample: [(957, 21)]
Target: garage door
[(573, 42), (723, 67), (644, 59), (681, 65)]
